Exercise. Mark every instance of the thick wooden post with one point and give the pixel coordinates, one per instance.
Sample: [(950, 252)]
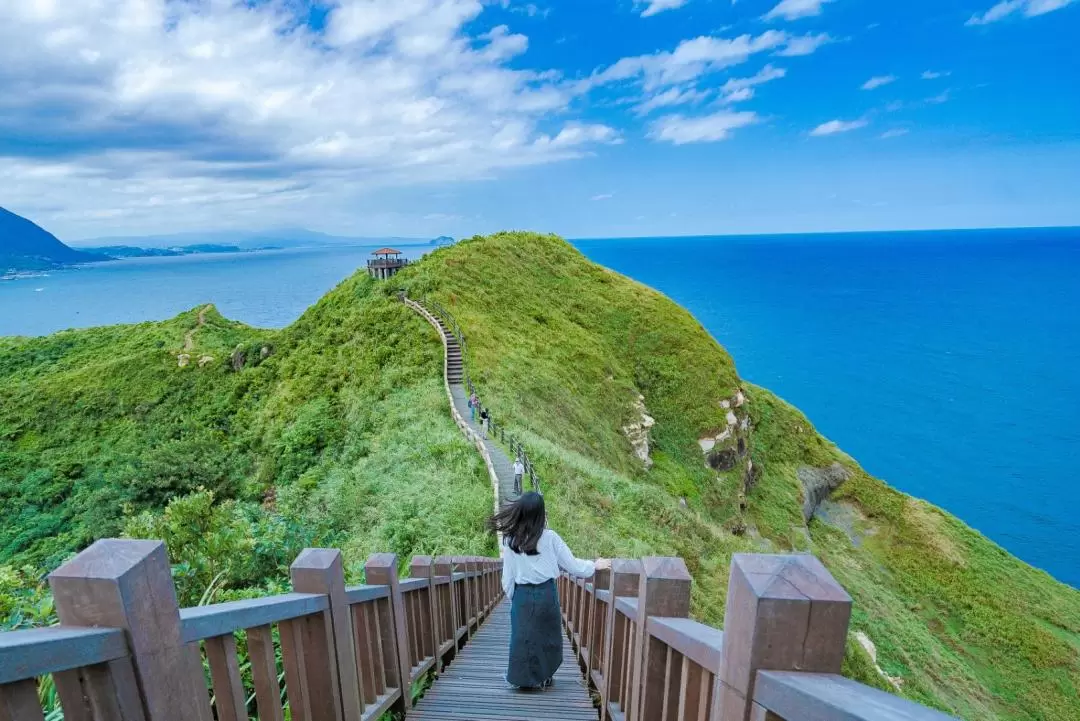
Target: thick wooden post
[(625, 580), (784, 613), (664, 591), (320, 570), (381, 570), (128, 584), (422, 567)]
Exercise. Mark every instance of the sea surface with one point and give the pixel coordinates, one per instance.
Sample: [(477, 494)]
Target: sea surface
[(947, 363)]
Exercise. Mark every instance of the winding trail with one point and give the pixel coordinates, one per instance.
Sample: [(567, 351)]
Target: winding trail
[(189, 337), (482, 663)]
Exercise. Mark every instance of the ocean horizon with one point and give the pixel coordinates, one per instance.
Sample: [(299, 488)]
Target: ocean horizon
[(942, 361)]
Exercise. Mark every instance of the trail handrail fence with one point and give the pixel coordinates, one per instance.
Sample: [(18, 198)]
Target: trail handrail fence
[(125, 651), (495, 429), (777, 659)]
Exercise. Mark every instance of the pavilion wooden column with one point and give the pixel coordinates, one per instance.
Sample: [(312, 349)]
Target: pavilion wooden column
[(664, 591), (784, 613), (128, 584)]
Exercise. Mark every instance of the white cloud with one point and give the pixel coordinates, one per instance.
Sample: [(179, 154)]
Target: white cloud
[(670, 98), (603, 196), (737, 90), (894, 133), (838, 126), (689, 60), (878, 81), (938, 99), (795, 9), (654, 7), (800, 45), (935, 74), (679, 130), (189, 114), (1028, 8)]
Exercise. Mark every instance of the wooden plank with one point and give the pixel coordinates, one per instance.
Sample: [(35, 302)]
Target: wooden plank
[(264, 673), (221, 618), (795, 696), (473, 687), (19, 701), (704, 645), (229, 696), (381, 569), (365, 663), (36, 652), (292, 658), (360, 594)]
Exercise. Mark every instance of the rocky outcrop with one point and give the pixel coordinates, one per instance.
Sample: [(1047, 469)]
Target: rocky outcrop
[(818, 483), (637, 432)]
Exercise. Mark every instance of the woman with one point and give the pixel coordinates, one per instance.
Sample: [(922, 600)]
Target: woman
[(532, 556)]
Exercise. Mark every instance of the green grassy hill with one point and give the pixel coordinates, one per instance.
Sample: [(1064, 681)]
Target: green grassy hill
[(338, 434)]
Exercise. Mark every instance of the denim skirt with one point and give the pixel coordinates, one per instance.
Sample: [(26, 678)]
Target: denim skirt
[(536, 635)]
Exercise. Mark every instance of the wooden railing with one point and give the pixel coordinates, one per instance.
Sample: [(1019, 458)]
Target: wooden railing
[(778, 658), (495, 428), (125, 651)]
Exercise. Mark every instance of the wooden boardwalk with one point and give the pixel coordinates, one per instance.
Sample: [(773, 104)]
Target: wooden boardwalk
[(473, 686)]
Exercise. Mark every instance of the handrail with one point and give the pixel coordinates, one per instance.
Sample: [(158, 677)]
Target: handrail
[(495, 428), (201, 622), (811, 696), (34, 652)]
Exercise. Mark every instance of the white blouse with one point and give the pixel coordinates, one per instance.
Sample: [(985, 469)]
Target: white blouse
[(552, 554)]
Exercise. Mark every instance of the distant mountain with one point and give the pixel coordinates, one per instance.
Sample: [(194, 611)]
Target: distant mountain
[(24, 245), (245, 240), (442, 240), (130, 251)]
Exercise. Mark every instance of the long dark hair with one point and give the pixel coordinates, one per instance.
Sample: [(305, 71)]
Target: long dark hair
[(522, 523)]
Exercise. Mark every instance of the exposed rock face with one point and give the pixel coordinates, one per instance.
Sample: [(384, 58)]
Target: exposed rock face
[(871, 651), (723, 459), (183, 359), (638, 432), (238, 358), (818, 483), (205, 360)]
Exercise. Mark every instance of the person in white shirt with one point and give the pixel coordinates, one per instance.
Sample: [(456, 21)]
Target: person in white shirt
[(519, 471), (532, 556)]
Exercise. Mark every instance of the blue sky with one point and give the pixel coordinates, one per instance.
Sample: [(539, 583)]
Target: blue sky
[(589, 118)]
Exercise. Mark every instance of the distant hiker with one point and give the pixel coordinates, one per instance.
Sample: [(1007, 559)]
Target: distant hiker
[(532, 556), (485, 420), (519, 471), (474, 401)]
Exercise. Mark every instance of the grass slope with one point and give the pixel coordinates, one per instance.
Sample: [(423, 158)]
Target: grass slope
[(561, 347)]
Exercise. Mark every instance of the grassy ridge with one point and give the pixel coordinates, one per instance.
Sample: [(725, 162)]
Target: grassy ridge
[(561, 347)]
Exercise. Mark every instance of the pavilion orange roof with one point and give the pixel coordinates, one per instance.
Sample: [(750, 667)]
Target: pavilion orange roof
[(387, 251)]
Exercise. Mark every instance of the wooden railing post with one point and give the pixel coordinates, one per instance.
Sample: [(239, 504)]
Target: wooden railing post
[(320, 570), (444, 568), (381, 570), (783, 613), (625, 580), (422, 567), (597, 619), (128, 584), (664, 591), (465, 597)]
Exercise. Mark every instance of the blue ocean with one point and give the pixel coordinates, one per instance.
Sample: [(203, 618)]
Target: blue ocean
[(947, 363)]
